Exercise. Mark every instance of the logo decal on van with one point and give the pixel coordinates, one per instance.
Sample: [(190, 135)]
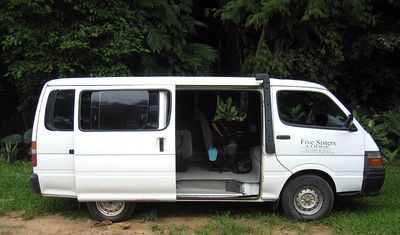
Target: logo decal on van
[(317, 146)]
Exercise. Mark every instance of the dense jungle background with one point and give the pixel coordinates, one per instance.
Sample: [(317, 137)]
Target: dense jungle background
[(352, 47)]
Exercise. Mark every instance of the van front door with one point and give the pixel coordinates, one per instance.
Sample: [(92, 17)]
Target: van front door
[(125, 143), (310, 134)]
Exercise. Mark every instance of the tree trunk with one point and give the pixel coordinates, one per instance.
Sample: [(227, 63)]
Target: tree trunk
[(260, 42)]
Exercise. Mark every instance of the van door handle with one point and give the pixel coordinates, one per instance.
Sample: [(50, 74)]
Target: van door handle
[(161, 144), (71, 151), (283, 137)]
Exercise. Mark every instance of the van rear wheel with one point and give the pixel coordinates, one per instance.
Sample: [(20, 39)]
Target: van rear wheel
[(307, 197), (114, 211)]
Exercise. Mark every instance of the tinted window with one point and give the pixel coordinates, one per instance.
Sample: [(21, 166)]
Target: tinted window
[(119, 110), (60, 110), (309, 108)]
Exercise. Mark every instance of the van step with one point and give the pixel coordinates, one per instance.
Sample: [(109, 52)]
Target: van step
[(218, 187), (200, 171), (205, 194)]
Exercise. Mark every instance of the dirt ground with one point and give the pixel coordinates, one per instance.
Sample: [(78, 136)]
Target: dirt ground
[(14, 223)]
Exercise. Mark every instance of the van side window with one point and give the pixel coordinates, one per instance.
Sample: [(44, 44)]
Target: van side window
[(309, 109), (109, 110), (59, 114)]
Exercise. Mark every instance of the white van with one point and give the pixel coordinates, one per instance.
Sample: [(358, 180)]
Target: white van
[(112, 142)]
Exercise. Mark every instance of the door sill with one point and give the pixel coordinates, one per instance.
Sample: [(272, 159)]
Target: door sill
[(208, 196)]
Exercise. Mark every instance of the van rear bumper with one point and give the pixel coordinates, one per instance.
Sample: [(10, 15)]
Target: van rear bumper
[(373, 181), (35, 186)]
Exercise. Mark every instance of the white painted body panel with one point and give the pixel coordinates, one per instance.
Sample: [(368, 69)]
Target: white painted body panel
[(55, 166), (370, 144), (342, 157), (129, 165), (159, 82), (125, 165), (273, 174), (274, 177)]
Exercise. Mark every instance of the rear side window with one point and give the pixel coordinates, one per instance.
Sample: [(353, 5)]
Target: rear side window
[(309, 109), (60, 110), (119, 110)]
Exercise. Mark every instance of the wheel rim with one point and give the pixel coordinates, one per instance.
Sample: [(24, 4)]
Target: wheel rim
[(308, 200), (111, 208)]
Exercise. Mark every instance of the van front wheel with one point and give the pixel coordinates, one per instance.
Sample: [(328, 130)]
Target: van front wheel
[(307, 197), (114, 211)]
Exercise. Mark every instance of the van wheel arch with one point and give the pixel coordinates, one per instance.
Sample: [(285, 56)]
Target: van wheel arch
[(319, 173), (307, 195)]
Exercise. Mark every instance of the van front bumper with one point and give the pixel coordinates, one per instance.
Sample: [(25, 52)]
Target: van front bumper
[(35, 186), (373, 181)]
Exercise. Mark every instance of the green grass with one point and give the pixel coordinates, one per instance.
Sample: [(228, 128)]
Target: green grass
[(16, 194), (157, 228), (226, 224), (369, 215), (178, 229), (150, 215)]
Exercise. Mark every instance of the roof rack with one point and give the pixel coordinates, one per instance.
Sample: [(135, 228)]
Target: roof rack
[(263, 76)]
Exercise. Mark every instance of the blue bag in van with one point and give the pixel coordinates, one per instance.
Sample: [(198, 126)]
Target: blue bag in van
[(212, 154)]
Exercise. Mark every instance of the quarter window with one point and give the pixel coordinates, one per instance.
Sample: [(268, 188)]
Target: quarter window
[(60, 110), (119, 110), (309, 109)]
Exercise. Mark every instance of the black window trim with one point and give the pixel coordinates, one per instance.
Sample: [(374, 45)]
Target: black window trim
[(353, 128), (49, 110), (124, 130)]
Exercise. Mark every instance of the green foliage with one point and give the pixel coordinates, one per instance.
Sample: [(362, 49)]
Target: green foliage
[(373, 64), (44, 39), (264, 61), (296, 112), (16, 193), (157, 228), (225, 224), (9, 147), (168, 25), (227, 111), (385, 129), (350, 46), (180, 229), (382, 212), (150, 215), (16, 146), (294, 28), (243, 218), (27, 137)]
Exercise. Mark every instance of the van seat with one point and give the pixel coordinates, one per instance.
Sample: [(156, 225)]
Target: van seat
[(184, 149), (228, 152)]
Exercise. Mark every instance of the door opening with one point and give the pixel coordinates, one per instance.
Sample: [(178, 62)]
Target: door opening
[(218, 138)]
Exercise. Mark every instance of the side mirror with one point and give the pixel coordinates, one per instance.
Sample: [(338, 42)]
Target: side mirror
[(349, 121)]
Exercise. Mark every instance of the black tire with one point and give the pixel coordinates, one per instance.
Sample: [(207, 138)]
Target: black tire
[(117, 210), (307, 197)]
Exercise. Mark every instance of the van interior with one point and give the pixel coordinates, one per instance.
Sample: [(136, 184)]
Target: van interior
[(218, 138)]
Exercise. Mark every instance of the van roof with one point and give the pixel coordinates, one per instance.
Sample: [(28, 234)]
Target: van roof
[(180, 81)]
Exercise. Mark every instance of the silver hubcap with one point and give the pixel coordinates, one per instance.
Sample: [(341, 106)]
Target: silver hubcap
[(308, 200), (112, 208)]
